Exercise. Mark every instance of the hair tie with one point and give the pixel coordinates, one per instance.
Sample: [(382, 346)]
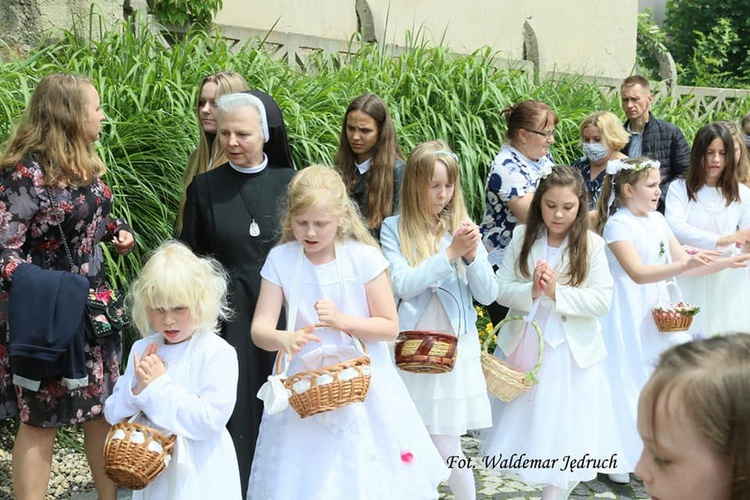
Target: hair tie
[(447, 153)]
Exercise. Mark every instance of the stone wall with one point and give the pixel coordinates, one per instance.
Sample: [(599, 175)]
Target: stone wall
[(592, 37), (25, 23)]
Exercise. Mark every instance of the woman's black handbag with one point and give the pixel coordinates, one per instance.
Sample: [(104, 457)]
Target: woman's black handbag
[(104, 312)]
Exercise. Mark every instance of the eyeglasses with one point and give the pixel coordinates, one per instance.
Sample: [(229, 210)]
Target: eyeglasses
[(546, 135)]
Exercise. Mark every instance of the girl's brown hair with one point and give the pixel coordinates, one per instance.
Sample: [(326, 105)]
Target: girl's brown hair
[(577, 250), (53, 127), (711, 378), (379, 201), (743, 166), (695, 177)]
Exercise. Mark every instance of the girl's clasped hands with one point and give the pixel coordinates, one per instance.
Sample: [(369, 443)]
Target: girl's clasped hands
[(545, 280), (464, 243)]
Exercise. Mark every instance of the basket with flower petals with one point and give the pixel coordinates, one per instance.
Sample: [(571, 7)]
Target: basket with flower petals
[(675, 317)]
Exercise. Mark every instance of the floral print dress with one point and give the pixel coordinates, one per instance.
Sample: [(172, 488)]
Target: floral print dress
[(29, 233)]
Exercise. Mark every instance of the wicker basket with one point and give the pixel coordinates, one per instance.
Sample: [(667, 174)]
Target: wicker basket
[(505, 381), (340, 391), (134, 454), (421, 351), (676, 317)]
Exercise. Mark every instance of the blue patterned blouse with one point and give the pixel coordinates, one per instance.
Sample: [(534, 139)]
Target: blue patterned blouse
[(511, 175), (593, 186)]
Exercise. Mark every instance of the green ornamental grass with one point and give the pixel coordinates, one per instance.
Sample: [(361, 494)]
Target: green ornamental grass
[(148, 90)]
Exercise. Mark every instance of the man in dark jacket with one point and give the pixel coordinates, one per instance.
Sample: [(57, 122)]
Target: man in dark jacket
[(651, 137)]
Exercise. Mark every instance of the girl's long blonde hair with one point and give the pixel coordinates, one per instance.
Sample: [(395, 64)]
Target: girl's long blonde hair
[(53, 127), (321, 186), (419, 229)]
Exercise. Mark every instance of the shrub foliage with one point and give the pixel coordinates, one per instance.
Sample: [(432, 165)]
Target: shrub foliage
[(148, 89)]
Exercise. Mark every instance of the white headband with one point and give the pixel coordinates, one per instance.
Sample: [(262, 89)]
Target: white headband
[(615, 166)]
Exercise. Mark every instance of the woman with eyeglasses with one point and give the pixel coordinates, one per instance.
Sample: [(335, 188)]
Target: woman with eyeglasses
[(514, 176)]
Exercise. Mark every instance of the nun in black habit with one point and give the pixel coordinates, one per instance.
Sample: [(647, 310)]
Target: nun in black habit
[(232, 213)]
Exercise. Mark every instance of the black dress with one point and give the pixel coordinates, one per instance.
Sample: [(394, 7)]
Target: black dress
[(217, 223)]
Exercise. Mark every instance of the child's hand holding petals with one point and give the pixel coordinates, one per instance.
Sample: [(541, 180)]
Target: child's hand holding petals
[(475, 238), (465, 240), (740, 260), (536, 279)]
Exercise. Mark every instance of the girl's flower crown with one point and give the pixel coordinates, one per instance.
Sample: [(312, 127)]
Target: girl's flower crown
[(614, 166)]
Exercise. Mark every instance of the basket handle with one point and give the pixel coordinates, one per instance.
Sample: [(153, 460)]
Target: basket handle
[(281, 365), (495, 331), (669, 285)]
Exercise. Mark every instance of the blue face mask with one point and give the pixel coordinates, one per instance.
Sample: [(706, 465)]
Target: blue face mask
[(595, 151), (747, 139)]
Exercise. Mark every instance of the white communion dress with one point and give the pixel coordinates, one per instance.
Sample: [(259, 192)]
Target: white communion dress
[(376, 449)]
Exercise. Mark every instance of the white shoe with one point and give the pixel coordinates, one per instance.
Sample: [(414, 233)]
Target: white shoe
[(619, 478)]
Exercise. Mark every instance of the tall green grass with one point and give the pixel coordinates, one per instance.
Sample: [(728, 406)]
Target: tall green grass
[(147, 91)]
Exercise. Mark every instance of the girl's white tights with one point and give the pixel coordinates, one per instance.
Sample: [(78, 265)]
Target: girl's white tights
[(461, 480)]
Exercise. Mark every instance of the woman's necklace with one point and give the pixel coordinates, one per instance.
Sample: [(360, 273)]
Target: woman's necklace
[(254, 229)]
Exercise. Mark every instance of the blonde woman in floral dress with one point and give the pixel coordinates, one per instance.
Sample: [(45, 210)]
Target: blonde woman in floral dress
[(50, 153)]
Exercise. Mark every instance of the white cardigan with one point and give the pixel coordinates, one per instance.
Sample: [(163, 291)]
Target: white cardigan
[(698, 225), (578, 307)]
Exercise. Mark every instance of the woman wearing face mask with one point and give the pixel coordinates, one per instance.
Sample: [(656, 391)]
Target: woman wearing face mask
[(602, 138)]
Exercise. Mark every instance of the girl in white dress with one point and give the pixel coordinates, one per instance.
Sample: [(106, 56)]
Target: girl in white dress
[(643, 253), (181, 376), (556, 270), (438, 266), (329, 269), (710, 209)]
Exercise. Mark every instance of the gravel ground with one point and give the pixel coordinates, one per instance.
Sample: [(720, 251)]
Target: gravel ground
[(71, 478), (70, 471)]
